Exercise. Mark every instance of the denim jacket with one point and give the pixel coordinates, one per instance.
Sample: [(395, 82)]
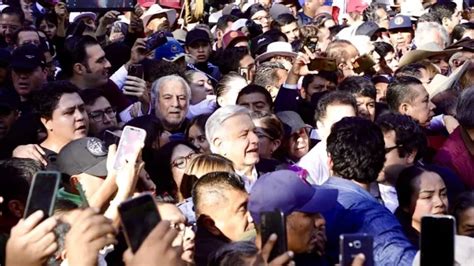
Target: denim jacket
[(359, 212)]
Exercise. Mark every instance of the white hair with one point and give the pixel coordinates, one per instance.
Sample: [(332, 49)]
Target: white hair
[(427, 31), (156, 86), (215, 121)]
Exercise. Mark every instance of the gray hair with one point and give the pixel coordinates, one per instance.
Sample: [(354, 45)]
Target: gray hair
[(156, 86), (266, 74), (426, 31), (214, 122)]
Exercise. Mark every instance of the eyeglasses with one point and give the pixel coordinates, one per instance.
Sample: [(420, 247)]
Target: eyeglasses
[(182, 162), (389, 149), (99, 115), (261, 133)]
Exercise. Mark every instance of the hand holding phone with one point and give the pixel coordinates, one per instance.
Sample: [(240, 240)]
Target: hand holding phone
[(155, 40), (139, 216), (274, 223), (437, 240), (363, 64), (353, 244), (323, 64), (42, 195), (131, 142)]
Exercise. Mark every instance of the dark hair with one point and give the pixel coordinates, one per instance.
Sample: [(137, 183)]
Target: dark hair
[(406, 185), (458, 32), (75, 52), (230, 59), (400, 91), (161, 173), (282, 20), (50, 17), (428, 17), (224, 20), (252, 88), (46, 100), (273, 127), (234, 254), (465, 109), (89, 96), (463, 202), (24, 29), (333, 97), (16, 176), (329, 76), (357, 149), (215, 184), (155, 69), (370, 13), (251, 10), (199, 121), (443, 10), (14, 11), (383, 48), (411, 70), (358, 86), (409, 136)]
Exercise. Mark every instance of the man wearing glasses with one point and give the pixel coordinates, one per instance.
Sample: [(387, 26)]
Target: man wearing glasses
[(102, 116)]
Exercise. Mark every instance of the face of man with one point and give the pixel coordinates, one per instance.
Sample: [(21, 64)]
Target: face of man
[(291, 31), (172, 104), (255, 102), (383, 18), (455, 19), (297, 144), (69, 120), (8, 25), (394, 164), (466, 222), (334, 113), (200, 51), (238, 141), (28, 37), (420, 107), (365, 107), (401, 38), (26, 81), (97, 66), (230, 215), (441, 62), (381, 88), (302, 233), (101, 116), (319, 84)]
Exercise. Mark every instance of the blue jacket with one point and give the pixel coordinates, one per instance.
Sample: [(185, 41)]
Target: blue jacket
[(359, 212)]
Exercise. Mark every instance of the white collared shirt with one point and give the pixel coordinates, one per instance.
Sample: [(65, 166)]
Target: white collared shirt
[(315, 162), (249, 181)]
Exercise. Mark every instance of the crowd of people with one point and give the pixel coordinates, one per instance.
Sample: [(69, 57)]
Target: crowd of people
[(349, 116)]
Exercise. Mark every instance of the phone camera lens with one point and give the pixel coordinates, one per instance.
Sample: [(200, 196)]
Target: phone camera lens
[(357, 244)]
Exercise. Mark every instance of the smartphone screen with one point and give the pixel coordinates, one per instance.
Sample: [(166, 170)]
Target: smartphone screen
[(353, 244), (42, 195), (138, 216), (363, 63), (131, 141), (437, 240), (274, 223), (323, 64), (155, 40), (136, 70)]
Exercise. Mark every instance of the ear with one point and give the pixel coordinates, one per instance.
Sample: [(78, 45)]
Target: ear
[(217, 143), (210, 226), (186, 49), (303, 93), (445, 21), (47, 123), (341, 66), (410, 158), (16, 207), (275, 145), (78, 68), (404, 108)]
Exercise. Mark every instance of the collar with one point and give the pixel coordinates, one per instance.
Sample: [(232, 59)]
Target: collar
[(64, 195), (249, 180), (467, 140)]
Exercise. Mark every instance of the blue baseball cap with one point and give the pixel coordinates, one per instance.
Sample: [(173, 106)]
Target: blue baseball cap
[(286, 191), (400, 22), (170, 51)]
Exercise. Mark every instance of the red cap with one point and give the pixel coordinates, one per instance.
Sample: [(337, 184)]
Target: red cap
[(356, 6), (232, 37), (146, 3), (175, 4)]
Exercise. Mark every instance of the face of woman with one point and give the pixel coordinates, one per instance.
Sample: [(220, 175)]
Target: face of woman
[(180, 158), (266, 145), (431, 198), (48, 28), (201, 86), (262, 18), (197, 137)]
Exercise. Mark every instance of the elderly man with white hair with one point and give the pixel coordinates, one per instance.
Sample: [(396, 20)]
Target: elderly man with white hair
[(231, 133)]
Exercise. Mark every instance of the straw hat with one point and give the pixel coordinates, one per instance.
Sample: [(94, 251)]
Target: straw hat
[(156, 9), (441, 83), (426, 51), (276, 48)]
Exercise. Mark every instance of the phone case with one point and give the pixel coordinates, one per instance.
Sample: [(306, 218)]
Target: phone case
[(131, 141), (274, 223), (353, 244), (437, 240), (42, 195)]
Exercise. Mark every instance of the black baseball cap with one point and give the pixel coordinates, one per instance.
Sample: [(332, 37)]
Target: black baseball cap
[(197, 35), (27, 57), (291, 121), (369, 28), (86, 155)]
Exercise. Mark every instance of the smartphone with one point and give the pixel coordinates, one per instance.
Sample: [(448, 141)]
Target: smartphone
[(42, 195), (139, 216), (437, 240), (323, 64), (244, 72), (131, 141), (110, 138), (274, 223), (136, 70), (363, 63), (311, 44), (155, 40), (353, 244)]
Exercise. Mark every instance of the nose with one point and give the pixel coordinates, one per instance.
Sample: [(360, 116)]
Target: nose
[(107, 119), (107, 64), (253, 137), (432, 106), (189, 235), (209, 88), (175, 102), (80, 115)]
